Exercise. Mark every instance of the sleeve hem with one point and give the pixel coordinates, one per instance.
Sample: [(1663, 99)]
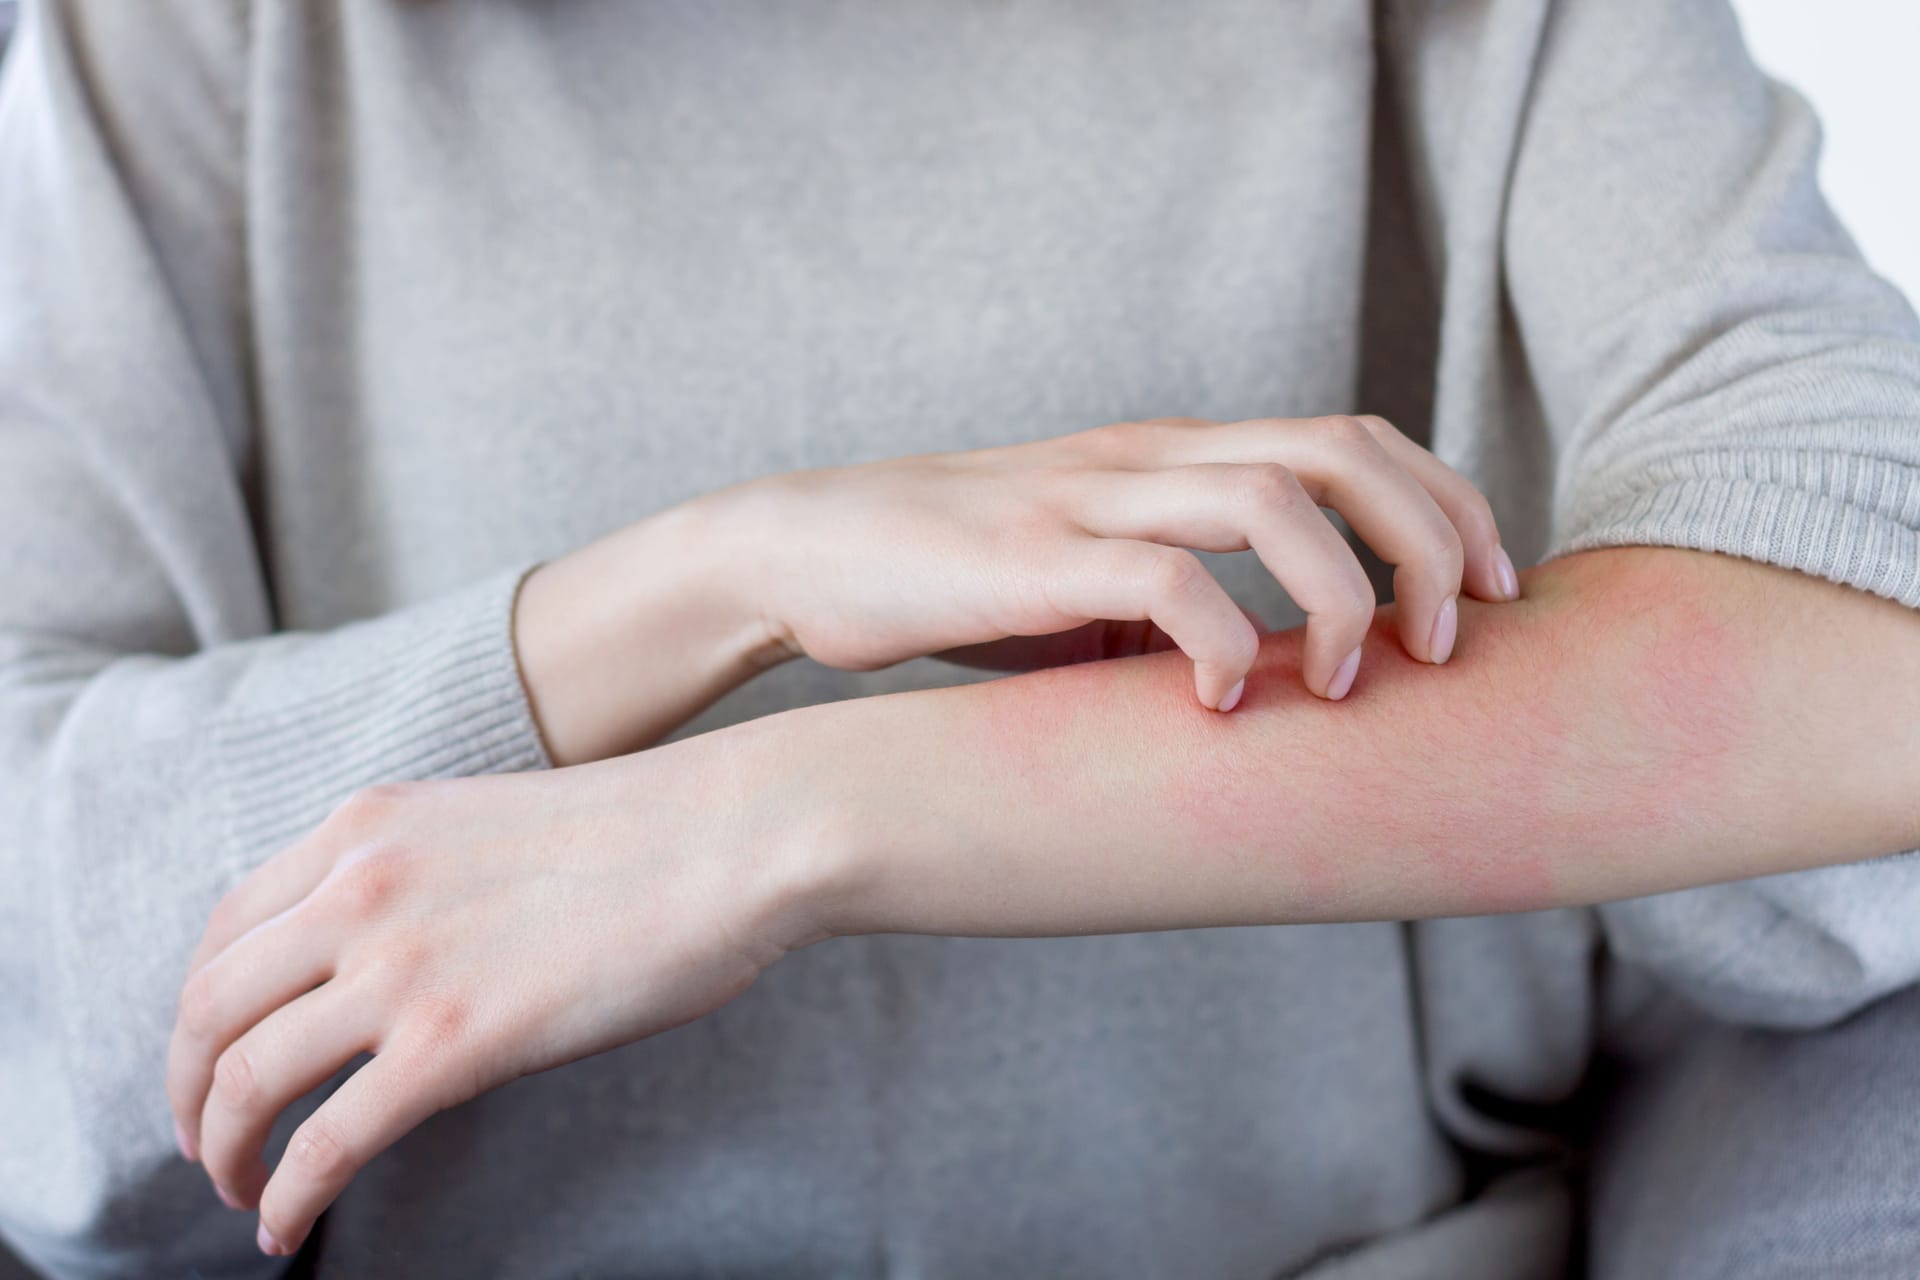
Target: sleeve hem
[(429, 692), (1864, 535)]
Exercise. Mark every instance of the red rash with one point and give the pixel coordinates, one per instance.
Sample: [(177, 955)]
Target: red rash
[(1417, 765), (1559, 734), (1233, 798), (1028, 717), (1547, 741), (1685, 707)]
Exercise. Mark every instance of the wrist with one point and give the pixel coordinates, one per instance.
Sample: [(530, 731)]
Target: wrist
[(738, 530), (622, 640), (786, 785)]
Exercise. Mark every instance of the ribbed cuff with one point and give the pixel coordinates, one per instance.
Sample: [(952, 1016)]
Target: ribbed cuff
[(432, 691), (1853, 520)]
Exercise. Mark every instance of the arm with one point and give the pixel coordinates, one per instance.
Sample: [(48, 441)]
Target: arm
[(156, 740), (1642, 721), (1721, 372)]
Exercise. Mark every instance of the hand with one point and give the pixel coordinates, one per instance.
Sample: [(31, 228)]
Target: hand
[(466, 932), (861, 567), (1029, 556)]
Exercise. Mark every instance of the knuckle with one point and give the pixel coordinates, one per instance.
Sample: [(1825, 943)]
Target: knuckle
[(1269, 487), (1175, 575), (224, 919), (368, 882), (438, 1023), (1124, 439), (235, 1080), (318, 1152), (1348, 446), (200, 1005), (1346, 433), (1356, 599), (1098, 440), (1376, 425), (368, 807), (1445, 549), (1244, 648), (1476, 519)]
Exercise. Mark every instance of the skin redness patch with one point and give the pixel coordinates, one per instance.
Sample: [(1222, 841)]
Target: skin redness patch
[(1418, 767), (1685, 695), (1029, 718), (1221, 786)]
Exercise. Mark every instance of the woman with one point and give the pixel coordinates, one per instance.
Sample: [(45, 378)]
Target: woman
[(414, 413)]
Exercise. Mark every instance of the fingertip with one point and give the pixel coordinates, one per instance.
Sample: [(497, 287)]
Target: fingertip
[(184, 1142), (1343, 675), (1232, 699), (269, 1245), (1506, 581), (1446, 628)]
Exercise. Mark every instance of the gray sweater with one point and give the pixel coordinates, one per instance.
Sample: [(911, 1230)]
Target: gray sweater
[(321, 323)]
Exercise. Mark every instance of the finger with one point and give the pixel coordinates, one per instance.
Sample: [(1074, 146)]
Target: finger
[(282, 880), (1341, 465), (265, 968), (1122, 580), (375, 1108), (1124, 444), (1230, 508), (1489, 570), (286, 1055)]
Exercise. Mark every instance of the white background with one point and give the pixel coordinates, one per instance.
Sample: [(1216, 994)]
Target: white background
[(1858, 61)]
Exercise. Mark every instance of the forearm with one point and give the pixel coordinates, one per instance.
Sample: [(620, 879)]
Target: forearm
[(1642, 721)]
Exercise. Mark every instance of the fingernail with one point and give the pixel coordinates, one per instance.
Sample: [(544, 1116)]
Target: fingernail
[(1232, 699), (1503, 570), (268, 1245), (225, 1198), (180, 1137), (1343, 678), (1446, 624)]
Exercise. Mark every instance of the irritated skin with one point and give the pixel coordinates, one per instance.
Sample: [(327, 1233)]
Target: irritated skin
[(1642, 720), (1638, 721)]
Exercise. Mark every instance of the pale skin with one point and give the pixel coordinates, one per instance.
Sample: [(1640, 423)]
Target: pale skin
[(1642, 720), (1004, 554)]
